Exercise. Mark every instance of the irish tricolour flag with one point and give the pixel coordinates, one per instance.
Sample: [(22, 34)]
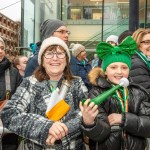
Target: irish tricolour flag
[(57, 107)]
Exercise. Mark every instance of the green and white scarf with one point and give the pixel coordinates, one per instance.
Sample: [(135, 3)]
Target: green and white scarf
[(144, 58)]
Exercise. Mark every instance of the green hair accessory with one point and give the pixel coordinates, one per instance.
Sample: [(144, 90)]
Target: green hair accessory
[(121, 53)]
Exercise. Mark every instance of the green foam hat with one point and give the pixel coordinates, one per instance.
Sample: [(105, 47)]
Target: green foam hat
[(121, 53)]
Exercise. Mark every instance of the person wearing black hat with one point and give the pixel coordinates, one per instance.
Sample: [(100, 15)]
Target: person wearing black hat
[(50, 27), (123, 35)]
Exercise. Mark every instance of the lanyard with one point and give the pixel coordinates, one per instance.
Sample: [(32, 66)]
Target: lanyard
[(123, 99), (122, 96), (51, 88)]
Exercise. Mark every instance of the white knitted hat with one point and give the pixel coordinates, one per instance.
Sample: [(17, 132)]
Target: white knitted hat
[(112, 38), (52, 41), (77, 49)]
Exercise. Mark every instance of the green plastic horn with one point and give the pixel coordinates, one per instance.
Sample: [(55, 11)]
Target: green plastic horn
[(102, 97)]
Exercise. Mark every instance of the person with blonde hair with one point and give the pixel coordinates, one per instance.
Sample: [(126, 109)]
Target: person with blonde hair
[(140, 69), (137, 32), (10, 79)]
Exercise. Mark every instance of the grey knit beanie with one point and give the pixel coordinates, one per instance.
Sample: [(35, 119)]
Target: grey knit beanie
[(49, 26), (1, 40), (77, 49)]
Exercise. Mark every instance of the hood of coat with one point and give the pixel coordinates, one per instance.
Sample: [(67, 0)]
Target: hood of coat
[(97, 78)]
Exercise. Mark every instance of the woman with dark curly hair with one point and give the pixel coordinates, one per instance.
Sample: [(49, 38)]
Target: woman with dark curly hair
[(140, 69)]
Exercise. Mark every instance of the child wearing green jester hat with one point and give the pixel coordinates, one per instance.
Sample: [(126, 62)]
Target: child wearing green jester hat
[(122, 121)]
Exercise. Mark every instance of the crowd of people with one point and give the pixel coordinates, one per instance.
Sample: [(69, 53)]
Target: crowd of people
[(49, 100)]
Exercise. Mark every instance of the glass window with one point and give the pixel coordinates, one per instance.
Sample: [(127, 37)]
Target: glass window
[(144, 14), (87, 12), (92, 9), (28, 30), (97, 19), (81, 10), (75, 13), (116, 17), (34, 13)]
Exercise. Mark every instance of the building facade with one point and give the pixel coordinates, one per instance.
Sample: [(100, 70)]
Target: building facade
[(89, 21), (10, 32)]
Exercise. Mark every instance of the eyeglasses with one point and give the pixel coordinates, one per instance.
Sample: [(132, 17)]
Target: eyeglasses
[(146, 42), (63, 32), (50, 54)]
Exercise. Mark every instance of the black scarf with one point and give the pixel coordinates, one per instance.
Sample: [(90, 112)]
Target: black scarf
[(4, 64)]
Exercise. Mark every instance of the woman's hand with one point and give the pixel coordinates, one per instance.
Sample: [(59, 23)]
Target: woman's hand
[(50, 140), (58, 130), (89, 112), (114, 119)]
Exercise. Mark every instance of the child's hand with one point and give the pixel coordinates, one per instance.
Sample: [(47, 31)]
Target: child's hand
[(89, 112), (114, 119)]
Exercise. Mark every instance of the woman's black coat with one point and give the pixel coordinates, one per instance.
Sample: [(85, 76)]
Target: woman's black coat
[(140, 73)]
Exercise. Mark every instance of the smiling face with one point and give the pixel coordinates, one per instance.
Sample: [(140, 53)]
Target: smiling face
[(145, 44), (54, 62), (2, 51), (116, 71)]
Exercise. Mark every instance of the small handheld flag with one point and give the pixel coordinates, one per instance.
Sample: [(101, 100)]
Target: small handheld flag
[(57, 106)]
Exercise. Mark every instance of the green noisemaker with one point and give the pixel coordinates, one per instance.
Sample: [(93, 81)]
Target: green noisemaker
[(102, 97)]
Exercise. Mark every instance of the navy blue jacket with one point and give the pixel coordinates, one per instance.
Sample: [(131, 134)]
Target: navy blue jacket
[(32, 63), (81, 70)]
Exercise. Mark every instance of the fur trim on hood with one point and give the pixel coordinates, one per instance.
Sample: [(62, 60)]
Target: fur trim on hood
[(94, 74)]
